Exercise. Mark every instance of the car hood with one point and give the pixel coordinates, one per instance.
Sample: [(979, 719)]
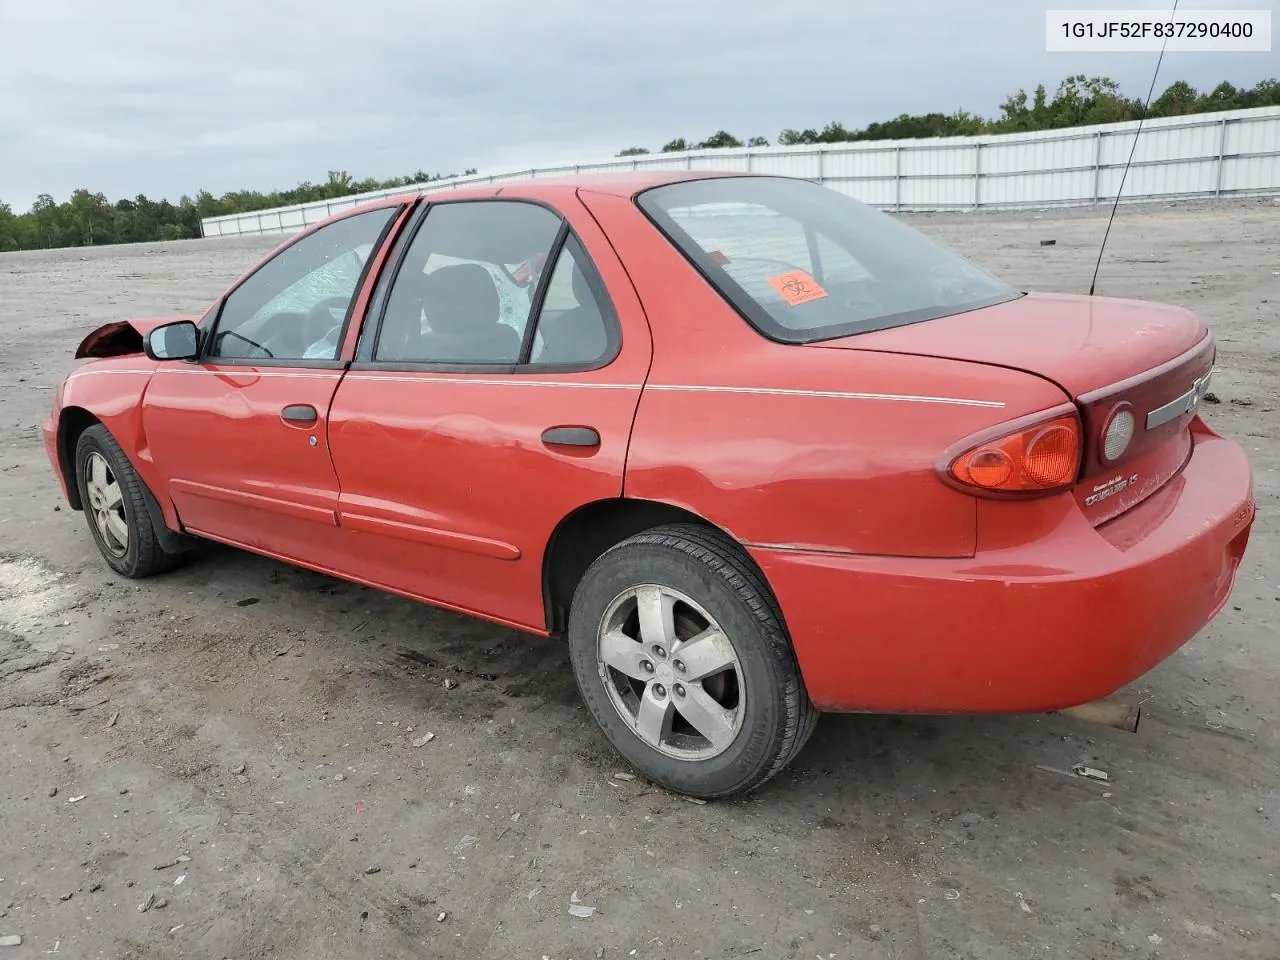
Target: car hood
[(1080, 343), (121, 337)]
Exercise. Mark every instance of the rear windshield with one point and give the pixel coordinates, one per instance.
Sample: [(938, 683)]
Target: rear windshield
[(803, 262)]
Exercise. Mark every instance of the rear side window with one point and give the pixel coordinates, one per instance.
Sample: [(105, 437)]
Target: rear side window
[(572, 327), (464, 292), (802, 262)]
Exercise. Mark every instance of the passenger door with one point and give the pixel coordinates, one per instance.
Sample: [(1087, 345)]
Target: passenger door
[(492, 395), (239, 436)]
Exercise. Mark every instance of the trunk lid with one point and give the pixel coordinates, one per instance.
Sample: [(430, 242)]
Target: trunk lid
[(1107, 355)]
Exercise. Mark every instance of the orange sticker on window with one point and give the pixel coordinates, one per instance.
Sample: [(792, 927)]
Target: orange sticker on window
[(797, 287)]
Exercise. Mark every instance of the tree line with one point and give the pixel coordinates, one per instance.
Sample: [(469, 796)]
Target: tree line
[(1079, 101), (89, 218)]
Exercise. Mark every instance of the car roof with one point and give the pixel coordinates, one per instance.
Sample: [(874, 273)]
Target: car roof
[(621, 184), (624, 183)]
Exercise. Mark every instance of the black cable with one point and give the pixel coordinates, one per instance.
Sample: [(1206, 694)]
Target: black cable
[(1132, 150)]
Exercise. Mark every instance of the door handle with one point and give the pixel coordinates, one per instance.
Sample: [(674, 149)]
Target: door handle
[(299, 414), (571, 437)]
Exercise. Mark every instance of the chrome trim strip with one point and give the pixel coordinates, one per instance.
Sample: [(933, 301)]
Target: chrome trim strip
[(253, 372), (1178, 406), (514, 382), (75, 374), (833, 394)]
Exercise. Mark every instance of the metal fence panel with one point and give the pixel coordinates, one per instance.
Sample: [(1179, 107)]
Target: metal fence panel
[(1232, 152)]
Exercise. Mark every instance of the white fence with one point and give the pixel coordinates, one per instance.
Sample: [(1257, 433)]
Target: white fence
[(1236, 152)]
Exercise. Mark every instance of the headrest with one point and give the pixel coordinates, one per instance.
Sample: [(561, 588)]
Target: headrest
[(461, 299), (581, 289)]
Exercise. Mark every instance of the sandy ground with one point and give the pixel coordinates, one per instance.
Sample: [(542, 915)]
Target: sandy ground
[(271, 744)]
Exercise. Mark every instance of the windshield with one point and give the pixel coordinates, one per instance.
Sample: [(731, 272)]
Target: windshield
[(803, 262)]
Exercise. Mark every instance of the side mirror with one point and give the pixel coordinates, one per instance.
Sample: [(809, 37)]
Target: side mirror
[(173, 341)]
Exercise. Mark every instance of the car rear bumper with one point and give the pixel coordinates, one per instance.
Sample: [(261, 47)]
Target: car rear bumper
[(1064, 619)]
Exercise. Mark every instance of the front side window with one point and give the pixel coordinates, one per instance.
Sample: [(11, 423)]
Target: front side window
[(464, 291), (802, 262), (294, 307)]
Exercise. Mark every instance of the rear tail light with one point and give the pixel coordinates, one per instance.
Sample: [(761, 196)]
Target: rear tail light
[(1039, 457)]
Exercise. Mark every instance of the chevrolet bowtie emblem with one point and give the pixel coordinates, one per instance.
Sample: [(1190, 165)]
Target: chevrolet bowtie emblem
[(1187, 403)]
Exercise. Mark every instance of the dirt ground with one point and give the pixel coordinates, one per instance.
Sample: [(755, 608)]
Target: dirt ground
[(251, 725)]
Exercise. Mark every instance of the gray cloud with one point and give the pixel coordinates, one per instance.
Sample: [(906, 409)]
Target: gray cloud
[(165, 98)]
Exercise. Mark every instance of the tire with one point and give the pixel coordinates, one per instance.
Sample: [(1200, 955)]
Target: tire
[(118, 518), (694, 582)]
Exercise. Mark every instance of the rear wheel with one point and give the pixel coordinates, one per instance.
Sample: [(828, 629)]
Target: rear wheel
[(682, 658), (114, 503)]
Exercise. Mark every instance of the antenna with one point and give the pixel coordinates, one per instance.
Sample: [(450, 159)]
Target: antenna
[(1132, 150)]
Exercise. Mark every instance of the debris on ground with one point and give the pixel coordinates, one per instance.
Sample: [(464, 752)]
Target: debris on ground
[(75, 799), (247, 602), (11, 940), (1048, 243), (114, 717), (423, 740), (161, 903), (1090, 773), (339, 777), (239, 769), (172, 863), (66, 896), (173, 930), (581, 911), (624, 776), (697, 800), (442, 917), (53, 791), (951, 894), (1022, 902), (450, 683), (1156, 939), (95, 887), (1212, 398), (370, 871), (1276, 897), (147, 904)]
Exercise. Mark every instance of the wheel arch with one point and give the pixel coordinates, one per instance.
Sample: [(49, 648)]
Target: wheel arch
[(590, 530), (73, 421)]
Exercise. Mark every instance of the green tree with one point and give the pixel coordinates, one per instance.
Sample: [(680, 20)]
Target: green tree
[(633, 151), (718, 140)]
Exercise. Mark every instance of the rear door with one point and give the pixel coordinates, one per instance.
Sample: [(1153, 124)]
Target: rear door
[(493, 394), (239, 436)]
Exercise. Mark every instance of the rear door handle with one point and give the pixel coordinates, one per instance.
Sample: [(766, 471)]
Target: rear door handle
[(299, 414), (571, 437)]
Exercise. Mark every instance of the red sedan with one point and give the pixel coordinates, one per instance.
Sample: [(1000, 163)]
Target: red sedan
[(754, 448)]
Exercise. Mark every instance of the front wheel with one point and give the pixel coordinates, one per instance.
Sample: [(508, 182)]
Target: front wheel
[(113, 498), (681, 656)]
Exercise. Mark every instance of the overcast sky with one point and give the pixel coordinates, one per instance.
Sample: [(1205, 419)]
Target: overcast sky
[(166, 97)]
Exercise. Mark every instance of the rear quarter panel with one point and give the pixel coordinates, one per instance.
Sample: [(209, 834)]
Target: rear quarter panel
[(799, 447)]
